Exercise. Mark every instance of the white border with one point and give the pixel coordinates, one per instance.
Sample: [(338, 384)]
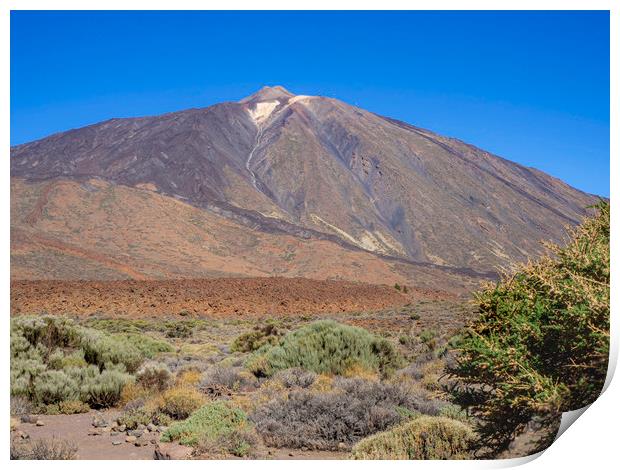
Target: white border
[(590, 444)]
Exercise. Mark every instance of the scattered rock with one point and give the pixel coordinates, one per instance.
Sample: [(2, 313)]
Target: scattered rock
[(290, 454), (151, 427), (95, 432), (153, 441), (28, 419), (141, 427), (23, 434), (131, 439), (114, 433), (162, 428), (136, 433), (39, 423), (342, 446), (116, 443), (121, 428)]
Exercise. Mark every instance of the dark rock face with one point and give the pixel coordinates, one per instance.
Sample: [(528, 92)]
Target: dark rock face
[(317, 167)]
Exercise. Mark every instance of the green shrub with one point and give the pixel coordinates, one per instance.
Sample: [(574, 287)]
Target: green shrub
[(55, 360), (54, 386), (541, 343), (424, 438), (104, 389), (213, 421), (327, 347)]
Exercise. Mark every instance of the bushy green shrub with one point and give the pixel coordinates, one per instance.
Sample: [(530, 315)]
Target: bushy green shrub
[(55, 360), (54, 386), (327, 347), (541, 343), (424, 438), (214, 420)]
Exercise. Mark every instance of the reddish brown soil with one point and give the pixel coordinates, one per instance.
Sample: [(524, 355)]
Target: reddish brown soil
[(206, 297)]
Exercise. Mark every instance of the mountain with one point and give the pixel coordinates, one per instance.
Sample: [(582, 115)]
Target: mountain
[(277, 170)]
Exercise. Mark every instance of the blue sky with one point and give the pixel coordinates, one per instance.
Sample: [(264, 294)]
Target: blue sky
[(532, 87)]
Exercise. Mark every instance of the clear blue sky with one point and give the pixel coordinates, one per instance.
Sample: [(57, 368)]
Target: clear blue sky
[(532, 87)]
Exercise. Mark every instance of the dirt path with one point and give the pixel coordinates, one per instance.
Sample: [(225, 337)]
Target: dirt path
[(76, 428)]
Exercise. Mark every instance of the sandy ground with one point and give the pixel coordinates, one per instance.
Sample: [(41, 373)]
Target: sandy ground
[(76, 428)]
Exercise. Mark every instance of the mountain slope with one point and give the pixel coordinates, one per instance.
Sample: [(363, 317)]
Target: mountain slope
[(315, 168)]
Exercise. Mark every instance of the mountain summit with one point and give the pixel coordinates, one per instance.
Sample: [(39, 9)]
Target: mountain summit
[(268, 93), (373, 191)]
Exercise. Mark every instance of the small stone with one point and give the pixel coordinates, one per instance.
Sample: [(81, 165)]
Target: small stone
[(116, 443), (131, 439), (106, 429), (141, 427), (94, 432), (141, 443), (23, 434), (290, 454), (162, 428), (40, 423), (114, 433), (121, 428), (151, 427), (153, 441), (28, 419), (342, 446)]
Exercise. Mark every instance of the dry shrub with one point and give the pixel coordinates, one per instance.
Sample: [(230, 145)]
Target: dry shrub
[(132, 392), (355, 408), (188, 377), (424, 438), (180, 402), (296, 378), (233, 378), (43, 449), (154, 376), (69, 407)]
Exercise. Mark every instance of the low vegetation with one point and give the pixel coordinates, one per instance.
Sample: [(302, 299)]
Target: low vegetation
[(43, 449), (213, 421), (327, 347), (55, 361), (424, 438)]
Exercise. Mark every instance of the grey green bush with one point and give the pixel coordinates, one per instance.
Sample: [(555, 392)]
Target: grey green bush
[(327, 347), (55, 360), (213, 421), (424, 438)]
